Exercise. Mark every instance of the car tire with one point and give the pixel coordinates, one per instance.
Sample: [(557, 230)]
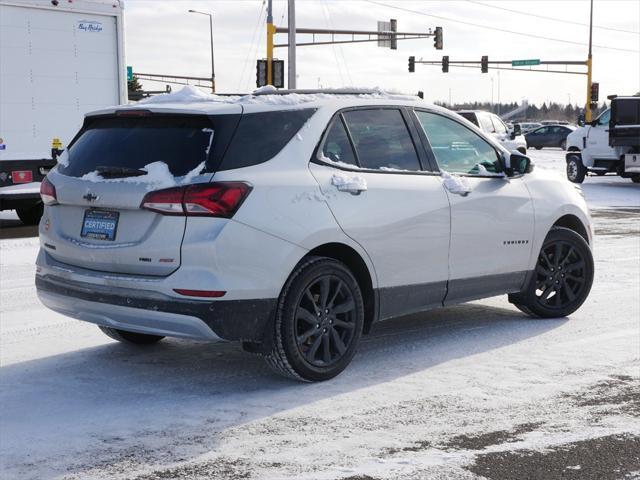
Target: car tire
[(576, 171), (130, 337), (538, 148), (318, 321), (562, 278), (635, 179), (31, 215), (563, 145)]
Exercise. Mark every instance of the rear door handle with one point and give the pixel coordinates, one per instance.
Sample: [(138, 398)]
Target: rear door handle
[(354, 188), (354, 185)]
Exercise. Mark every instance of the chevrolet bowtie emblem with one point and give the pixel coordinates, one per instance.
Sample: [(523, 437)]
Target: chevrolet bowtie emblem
[(90, 197)]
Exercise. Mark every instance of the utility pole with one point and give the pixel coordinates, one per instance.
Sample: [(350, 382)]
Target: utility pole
[(213, 69), (292, 44), (587, 110), (271, 31)]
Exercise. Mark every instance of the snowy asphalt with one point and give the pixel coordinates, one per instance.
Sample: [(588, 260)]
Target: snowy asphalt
[(473, 391)]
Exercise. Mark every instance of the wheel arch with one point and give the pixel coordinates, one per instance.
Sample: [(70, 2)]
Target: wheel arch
[(572, 222), (572, 151), (354, 261)]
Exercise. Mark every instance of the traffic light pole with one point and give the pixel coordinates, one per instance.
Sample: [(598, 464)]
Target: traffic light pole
[(475, 64), (292, 44), (587, 110), (271, 31)]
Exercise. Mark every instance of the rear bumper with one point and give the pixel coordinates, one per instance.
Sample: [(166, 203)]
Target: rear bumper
[(16, 196), (154, 313)]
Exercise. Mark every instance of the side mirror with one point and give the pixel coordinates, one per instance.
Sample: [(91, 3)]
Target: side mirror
[(594, 123), (517, 164), (517, 130)]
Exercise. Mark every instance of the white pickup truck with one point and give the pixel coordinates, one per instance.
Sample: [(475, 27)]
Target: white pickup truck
[(491, 124), (609, 144)]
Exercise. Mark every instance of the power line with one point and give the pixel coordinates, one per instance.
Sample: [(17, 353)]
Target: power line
[(528, 14), (540, 37), (253, 47)]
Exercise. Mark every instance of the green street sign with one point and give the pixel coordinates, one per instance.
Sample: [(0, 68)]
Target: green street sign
[(524, 63), (129, 73)]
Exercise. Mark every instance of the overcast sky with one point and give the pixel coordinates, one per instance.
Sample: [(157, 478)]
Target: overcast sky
[(162, 37)]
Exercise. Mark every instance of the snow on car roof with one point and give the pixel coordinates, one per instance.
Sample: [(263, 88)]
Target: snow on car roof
[(190, 99)]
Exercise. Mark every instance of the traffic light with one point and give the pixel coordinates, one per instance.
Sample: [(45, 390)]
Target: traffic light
[(595, 91), (484, 64), (278, 73), (445, 64), (437, 39), (393, 43), (261, 73), (412, 64)]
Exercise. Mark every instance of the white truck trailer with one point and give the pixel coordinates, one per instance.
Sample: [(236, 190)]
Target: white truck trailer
[(58, 60)]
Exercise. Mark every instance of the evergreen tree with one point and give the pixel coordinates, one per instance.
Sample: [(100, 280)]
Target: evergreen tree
[(134, 85)]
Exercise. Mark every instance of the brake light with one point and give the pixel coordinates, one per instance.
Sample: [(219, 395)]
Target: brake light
[(218, 199), (167, 201), (48, 192)]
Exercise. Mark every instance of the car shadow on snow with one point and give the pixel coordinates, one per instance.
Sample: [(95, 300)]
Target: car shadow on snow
[(177, 393)]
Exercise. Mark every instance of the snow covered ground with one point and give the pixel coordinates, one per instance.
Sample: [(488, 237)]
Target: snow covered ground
[(472, 391)]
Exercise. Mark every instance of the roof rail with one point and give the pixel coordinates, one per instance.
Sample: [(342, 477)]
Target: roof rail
[(337, 91)]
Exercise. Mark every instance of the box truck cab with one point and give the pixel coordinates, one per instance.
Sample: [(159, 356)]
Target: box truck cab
[(58, 60), (609, 144)]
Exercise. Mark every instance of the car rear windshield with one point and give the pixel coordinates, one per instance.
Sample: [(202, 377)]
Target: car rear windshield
[(183, 142)]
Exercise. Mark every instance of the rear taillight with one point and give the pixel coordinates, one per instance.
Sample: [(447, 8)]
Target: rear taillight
[(48, 192), (218, 199)]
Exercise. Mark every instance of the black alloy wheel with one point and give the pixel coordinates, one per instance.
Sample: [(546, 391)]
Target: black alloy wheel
[(318, 322), (560, 275), (562, 278), (325, 321)]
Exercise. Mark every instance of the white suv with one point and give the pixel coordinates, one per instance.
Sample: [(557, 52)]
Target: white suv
[(491, 124), (293, 222)]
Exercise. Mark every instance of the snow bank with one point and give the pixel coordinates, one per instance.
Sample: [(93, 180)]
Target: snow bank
[(456, 184), (157, 176)]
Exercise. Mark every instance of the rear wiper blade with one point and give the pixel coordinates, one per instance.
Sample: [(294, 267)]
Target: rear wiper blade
[(119, 172)]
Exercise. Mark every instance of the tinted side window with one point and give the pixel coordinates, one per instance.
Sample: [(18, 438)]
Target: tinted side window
[(261, 136), (456, 148), (498, 126), (486, 123), (336, 146), (471, 117), (381, 139), (604, 118)]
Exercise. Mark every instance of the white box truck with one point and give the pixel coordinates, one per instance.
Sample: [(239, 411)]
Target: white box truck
[(58, 60)]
